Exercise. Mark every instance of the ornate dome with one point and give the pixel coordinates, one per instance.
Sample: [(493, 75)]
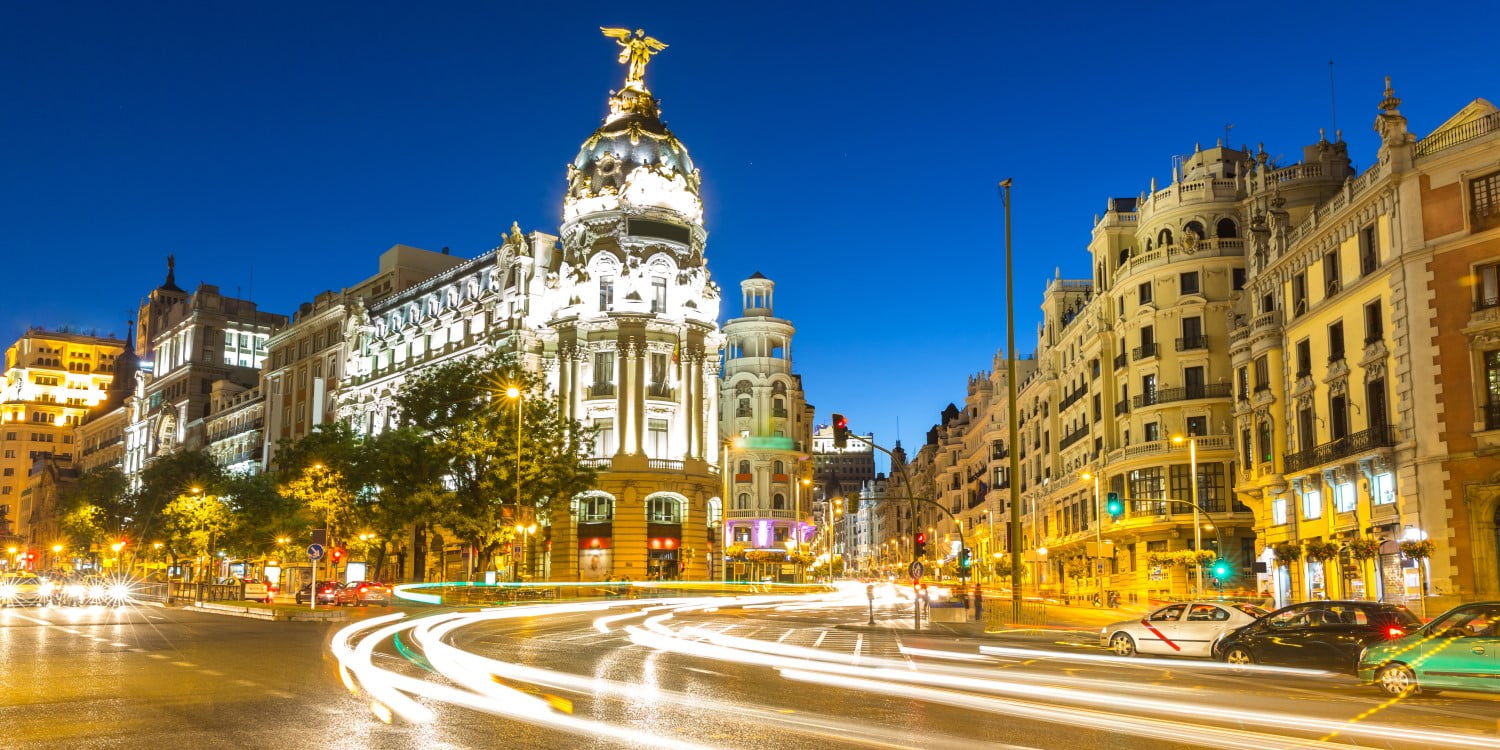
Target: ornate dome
[(632, 161)]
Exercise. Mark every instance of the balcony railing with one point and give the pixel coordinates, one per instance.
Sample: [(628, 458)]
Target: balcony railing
[(601, 390), (670, 464), (1379, 436), (1188, 393), (1073, 437), (1144, 350), (1486, 303), (254, 424), (597, 462), (1122, 407), (1189, 343), (1072, 398), (1120, 360), (660, 390)]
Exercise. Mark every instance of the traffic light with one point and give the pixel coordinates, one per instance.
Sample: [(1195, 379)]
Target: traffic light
[(1220, 569), (338, 555), (840, 431), (1114, 506), (919, 546), (965, 559)]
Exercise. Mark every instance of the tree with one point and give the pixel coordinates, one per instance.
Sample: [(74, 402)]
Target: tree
[(326, 495), (407, 483), (194, 522), (473, 435), (162, 481), (261, 515), (94, 508)]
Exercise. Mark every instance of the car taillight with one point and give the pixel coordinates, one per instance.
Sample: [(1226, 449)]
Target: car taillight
[(1394, 632)]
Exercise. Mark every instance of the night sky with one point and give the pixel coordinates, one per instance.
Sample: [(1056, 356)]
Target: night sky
[(849, 153)]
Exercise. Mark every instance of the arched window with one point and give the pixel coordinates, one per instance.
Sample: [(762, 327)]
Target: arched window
[(778, 468), (1164, 238), (778, 501), (597, 508), (1195, 228), (1124, 255), (778, 387), (715, 510), (742, 388), (742, 502), (778, 407), (663, 509), (1226, 228), (744, 467)]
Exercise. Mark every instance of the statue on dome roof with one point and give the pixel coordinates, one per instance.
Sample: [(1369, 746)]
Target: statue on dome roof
[(636, 51)]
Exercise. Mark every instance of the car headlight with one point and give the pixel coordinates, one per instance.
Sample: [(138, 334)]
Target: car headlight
[(7, 591), (119, 591), (47, 588)]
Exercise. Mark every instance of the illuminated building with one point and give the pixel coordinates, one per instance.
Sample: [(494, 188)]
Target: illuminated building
[(306, 359), (186, 343), (1367, 349), (768, 422), (619, 313), (52, 379)]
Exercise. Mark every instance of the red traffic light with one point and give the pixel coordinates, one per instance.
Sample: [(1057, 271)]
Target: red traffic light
[(338, 553), (921, 539)]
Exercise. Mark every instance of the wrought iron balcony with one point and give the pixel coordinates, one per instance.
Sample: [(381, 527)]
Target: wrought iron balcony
[(1188, 393), (1144, 350), (1120, 360), (601, 390), (1379, 436), (1189, 343)]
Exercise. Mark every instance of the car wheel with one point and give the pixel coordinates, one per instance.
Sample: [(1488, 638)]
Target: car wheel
[(1122, 645), (1396, 680), (1238, 656)]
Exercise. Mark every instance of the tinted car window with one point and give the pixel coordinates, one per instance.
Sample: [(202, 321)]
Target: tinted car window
[(1345, 614), (1294, 617), (1478, 621), (1171, 613), (1400, 616), (1206, 613)]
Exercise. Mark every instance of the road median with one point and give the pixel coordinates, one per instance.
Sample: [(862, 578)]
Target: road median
[(274, 612)]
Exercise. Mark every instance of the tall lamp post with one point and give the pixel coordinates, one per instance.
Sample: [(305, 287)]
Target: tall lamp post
[(1192, 442), (515, 394), (1011, 409)]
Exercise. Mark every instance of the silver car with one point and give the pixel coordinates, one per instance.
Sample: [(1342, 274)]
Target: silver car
[(1180, 629)]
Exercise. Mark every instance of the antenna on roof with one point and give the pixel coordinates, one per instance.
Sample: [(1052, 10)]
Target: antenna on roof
[(1333, 111)]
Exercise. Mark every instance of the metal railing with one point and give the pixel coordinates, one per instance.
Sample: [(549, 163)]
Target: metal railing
[(1073, 437), (1120, 361), (1122, 407), (1189, 343), (660, 390), (1379, 436), (1144, 350), (1456, 135), (601, 390), (1187, 393), (1072, 398)]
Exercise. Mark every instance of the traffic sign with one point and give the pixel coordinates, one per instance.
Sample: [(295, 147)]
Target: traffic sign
[(916, 570), (314, 551)]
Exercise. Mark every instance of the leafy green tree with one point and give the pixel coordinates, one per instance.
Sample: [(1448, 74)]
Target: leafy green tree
[(327, 496), (94, 508), (473, 433), (194, 523), (408, 483), (162, 481), (261, 515)]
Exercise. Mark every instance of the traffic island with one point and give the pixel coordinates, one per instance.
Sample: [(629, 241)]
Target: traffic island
[(275, 612)]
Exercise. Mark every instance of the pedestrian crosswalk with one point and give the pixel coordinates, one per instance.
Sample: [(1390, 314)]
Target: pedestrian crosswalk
[(872, 644)]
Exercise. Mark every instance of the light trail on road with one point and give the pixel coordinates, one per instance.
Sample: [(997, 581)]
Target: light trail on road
[(991, 680)]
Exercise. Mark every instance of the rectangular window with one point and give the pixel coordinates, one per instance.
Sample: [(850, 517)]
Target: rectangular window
[(1262, 374), (1278, 511), (1375, 402), (604, 437), (1332, 283), (1344, 497), (1383, 489), (1144, 292), (604, 368), (658, 295), (656, 438), (1239, 279), (1242, 378), (1299, 294), (1192, 335), (1194, 382), (1338, 417), (1188, 282), (1153, 431), (1369, 250), (1312, 504), (1146, 484), (1304, 358), (606, 294), (1247, 454), (1487, 286), (1336, 341), (1374, 323), (1197, 425), (1484, 202), (1307, 437)]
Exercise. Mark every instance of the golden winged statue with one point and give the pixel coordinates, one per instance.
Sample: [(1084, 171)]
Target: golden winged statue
[(635, 51)]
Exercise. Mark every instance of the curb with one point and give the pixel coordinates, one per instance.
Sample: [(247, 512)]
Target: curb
[(275, 615)]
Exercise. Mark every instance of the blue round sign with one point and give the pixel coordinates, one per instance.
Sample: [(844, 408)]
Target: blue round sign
[(314, 551)]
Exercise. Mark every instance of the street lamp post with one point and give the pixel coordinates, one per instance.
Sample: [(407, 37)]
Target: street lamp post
[(516, 394), (1011, 408), (1192, 441)]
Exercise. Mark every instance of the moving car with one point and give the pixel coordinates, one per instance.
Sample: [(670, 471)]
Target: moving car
[(364, 592), (1459, 650), (1181, 629), (328, 592), (1317, 635), (257, 590), (23, 589)]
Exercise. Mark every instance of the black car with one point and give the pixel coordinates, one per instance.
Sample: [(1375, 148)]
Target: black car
[(328, 592), (1317, 635)]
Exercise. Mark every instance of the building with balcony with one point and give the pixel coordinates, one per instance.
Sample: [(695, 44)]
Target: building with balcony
[(52, 380), (306, 359), (1361, 346), (186, 343), (767, 424), (620, 314), (234, 430)]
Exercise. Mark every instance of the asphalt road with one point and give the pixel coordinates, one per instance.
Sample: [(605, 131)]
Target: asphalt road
[(762, 676)]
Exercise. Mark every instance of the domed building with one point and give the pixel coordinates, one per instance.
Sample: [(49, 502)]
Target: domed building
[(620, 314)]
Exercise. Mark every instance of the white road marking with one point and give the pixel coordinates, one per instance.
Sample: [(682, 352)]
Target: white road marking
[(821, 636)]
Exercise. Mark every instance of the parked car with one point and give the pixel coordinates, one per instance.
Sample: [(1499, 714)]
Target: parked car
[(1317, 635), (328, 592), (1459, 650), (1181, 629), (21, 589), (364, 592), (257, 590)]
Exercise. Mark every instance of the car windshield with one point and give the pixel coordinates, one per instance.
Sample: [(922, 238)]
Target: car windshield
[(1478, 621), (1252, 610)]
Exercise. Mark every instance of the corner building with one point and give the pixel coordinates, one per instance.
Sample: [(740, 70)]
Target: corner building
[(619, 313)]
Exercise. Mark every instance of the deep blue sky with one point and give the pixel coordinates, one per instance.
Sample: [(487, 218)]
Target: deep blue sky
[(850, 152)]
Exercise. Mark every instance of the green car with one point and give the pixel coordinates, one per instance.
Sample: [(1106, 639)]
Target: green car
[(1460, 650)]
